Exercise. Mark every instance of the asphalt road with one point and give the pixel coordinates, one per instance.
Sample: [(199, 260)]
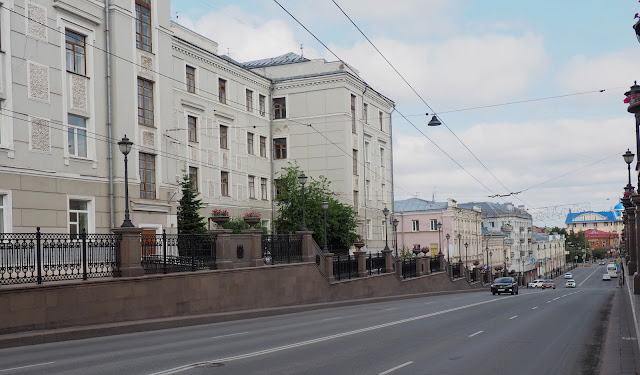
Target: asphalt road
[(548, 331)]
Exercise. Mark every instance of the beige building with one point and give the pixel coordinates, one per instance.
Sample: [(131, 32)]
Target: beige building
[(231, 126)]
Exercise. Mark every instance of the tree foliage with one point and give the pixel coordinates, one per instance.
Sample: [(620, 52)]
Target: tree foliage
[(189, 219), (341, 218), (237, 225)]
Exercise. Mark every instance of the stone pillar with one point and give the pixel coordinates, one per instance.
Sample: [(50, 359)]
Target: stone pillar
[(419, 265), (399, 267), (427, 265), (130, 251), (362, 263), (388, 260), (308, 254), (223, 248), (257, 258), (441, 262), (328, 266), (631, 238)]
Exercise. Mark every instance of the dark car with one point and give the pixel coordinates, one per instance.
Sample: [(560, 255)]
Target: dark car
[(504, 285)]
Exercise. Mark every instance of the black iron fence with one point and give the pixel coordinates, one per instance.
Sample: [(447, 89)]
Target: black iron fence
[(408, 268), (166, 253), (345, 267), (472, 276), (281, 248), (434, 264), (375, 263), (38, 257), (455, 271)]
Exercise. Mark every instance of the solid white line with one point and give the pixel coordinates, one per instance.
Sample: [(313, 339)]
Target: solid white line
[(229, 335), (393, 308), (21, 367), (326, 320), (513, 317), (395, 368), (327, 338), (633, 308), (428, 303), (533, 308), (583, 281), (477, 333)]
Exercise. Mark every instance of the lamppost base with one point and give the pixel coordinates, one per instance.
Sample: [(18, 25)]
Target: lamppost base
[(127, 224)]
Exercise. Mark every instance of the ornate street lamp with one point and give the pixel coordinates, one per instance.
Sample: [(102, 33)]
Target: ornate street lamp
[(633, 96), (439, 225), (447, 237), (628, 158), (125, 147), (459, 246), (395, 229), (386, 232), (466, 254), (302, 179), (325, 206)]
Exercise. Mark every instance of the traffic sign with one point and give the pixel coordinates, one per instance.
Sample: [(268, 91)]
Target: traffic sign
[(533, 260)]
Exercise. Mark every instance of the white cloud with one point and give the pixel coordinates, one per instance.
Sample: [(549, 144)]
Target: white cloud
[(604, 71)]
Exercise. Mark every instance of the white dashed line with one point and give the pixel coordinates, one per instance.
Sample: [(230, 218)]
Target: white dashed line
[(395, 368), (513, 317), (393, 308), (533, 308), (477, 333), (21, 367), (326, 320)]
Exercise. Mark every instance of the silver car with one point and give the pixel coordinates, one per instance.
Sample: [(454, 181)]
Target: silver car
[(570, 284)]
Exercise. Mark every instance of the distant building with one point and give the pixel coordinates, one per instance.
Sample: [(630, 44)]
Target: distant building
[(599, 239), (602, 221)]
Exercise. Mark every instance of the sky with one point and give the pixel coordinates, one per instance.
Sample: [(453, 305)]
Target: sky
[(549, 77)]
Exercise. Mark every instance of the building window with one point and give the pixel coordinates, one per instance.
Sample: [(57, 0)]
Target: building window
[(147, 167), (353, 114), (249, 100), (415, 225), (355, 162), (75, 52), (2, 211), (365, 112), (222, 90), (261, 101), (193, 177), (382, 163), (224, 182), (263, 188), (355, 199), (280, 148), (384, 193), (380, 119), (263, 147), (191, 79), (279, 108), (367, 190), (366, 152), (433, 223), (143, 25), (252, 187), (278, 185), (250, 143), (145, 102), (78, 216), (77, 136), (223, 136), (369, 231), (193, 130)]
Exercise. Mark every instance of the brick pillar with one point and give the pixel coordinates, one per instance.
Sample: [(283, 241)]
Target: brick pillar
[(441, 262), (631, 236), (635, 199), (388, 261), (399, 267), (255, 249), (427, 265), (308, 254), (223, 248), (328, 266), (362, 263), (419, 265), (130, 251)]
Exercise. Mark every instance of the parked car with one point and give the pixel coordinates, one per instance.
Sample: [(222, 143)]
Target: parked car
[(537, 283), (606, 277), (549, 284), (568, 275), (571, 283), (504, 285)]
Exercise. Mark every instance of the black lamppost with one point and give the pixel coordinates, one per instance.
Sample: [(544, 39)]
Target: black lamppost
[(386, 232), (628, 158), (490, 268), (395, 229), (460, 246), (447, 237), (466, 254), (325, 206), (302, 179), (125, 147), (439, 225)]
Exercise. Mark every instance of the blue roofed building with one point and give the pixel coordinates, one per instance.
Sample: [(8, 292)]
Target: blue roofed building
[(606, 221)]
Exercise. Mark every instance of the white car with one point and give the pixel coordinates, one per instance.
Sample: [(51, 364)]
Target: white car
[(568, 275), (570, 284), (536, 283), (606, 276)]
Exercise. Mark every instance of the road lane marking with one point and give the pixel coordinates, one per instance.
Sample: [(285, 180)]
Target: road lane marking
[(534, 308), (326, 320), (477, 333), (587, 278), (513, 317), (565, 295), (548, 301), (556, 298), (21, 367), (395, 368), (176, 370), (428, 303), (393, 308)]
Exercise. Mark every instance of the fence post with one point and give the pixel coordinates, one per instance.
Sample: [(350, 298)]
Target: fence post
[(388, 261), (257, 258), (362, 263), (419, 265), (427, 261), (83, 235), (307, 246), (130, 251), (164, 250), (399, 267), (223, 248), (441, 262), (328, 266), (38, 255)]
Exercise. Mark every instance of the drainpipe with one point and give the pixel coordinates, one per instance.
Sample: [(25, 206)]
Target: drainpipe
[(109, 127), (364, 170), (393, 208), (273, 176)]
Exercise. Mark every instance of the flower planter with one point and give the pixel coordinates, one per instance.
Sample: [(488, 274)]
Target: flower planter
[(219, 220), (358, 245), (251, 221)]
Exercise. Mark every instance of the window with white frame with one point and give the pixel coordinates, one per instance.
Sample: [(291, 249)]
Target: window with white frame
[(433, 224), (365, 112), (383, 192), (263, 188), (249, 143), (369, 229), (75, 47), (415, 225), (382, 163), (77, 136), (2, 213), (249, 100), (366, 152), (252, 187), (264, 223), (78, 216), (367, 189)]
